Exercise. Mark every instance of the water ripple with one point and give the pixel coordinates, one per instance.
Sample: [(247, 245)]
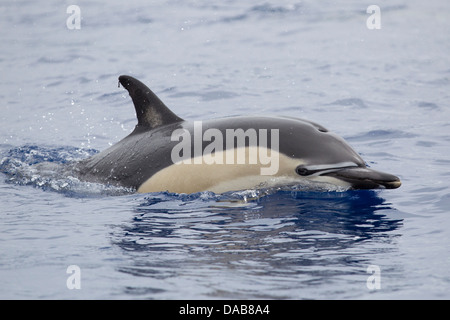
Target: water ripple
[(305, 232)]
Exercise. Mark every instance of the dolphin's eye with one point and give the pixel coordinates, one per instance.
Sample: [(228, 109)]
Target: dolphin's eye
[(301, 170)]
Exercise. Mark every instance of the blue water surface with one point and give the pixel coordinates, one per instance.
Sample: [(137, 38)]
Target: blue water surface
[(386, 91)]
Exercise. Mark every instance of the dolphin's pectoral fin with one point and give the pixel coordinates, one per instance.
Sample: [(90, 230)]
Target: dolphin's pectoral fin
[(151, 112)]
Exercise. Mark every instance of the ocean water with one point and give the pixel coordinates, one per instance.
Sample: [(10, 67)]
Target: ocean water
[(386, 91)]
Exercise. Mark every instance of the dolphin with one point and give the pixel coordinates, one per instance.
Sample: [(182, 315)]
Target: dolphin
[(166, 153)]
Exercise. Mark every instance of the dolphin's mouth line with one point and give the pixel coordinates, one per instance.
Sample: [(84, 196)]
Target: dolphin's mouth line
[(358, 176), (364, 178)]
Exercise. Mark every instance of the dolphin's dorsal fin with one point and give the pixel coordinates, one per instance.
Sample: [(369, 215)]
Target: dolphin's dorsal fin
[(150, 111)]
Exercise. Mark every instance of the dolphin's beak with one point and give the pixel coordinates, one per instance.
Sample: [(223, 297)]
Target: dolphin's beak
[(365, 178)]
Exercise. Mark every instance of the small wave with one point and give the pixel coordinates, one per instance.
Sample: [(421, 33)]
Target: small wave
[(206, 96), (62, 59), (276, 9), (381, 135), (50, 169), (261, 11), (244, 197), (351, 102), (427, 105)]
